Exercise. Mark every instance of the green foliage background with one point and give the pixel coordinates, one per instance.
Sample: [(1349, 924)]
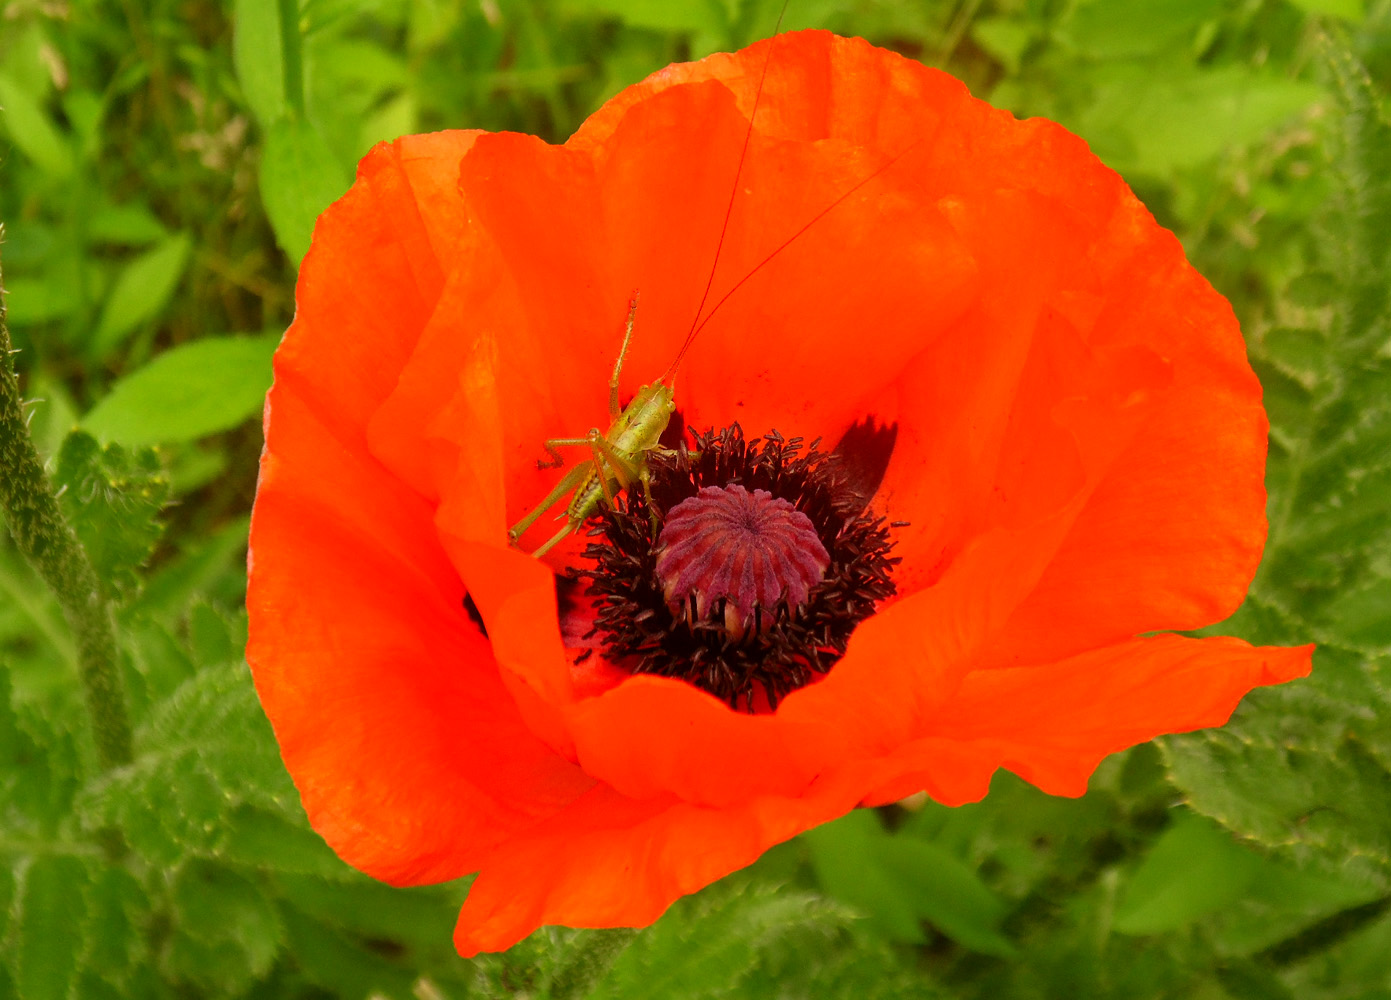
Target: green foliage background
[(161, 165)]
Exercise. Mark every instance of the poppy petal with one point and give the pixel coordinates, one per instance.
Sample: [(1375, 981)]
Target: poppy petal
[(359, 315), (1180, 515), (411, 762), (610, 861), (1053, 724), (651, 735), (353, 601)]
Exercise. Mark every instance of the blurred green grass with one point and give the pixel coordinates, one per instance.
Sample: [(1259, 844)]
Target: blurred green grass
[(158, 179)]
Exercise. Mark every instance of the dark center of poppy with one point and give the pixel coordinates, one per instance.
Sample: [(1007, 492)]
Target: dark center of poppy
[(762, 561), (750, 549)]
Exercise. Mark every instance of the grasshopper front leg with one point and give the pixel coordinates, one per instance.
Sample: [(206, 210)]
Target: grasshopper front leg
[(552, 446)]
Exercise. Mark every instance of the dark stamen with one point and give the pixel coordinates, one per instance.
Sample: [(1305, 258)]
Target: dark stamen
[(665, 608)]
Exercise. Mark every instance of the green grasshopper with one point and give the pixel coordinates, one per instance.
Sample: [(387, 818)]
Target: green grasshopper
[(619, 454)]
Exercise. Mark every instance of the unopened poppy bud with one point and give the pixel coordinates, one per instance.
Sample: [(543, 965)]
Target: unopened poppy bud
[(749, 549)]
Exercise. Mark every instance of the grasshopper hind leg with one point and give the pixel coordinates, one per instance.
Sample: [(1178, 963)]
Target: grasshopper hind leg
[(568, 483), (550, 543)]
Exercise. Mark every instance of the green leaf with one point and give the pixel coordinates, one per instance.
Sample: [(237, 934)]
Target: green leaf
[(1250, 981), (669, 15), (205, 565), (26, 787), (1193, 869), (709, 946), (204, 753), (949, 895), (369, 909), (7, 899), (1005, 38), (395, 118), (1283, 903), (17, 750), (31, 129), (39, 758), (119, 913), (587, 959), (131, 224), (24, 57), (1187, 117), (38, 300), (188, 392), (328, 958), (226, 930), (212, 638), (1306, 767), (46, 927), (217, 716), (257, 839), (1348, 10), (1300, 353), (899, 882), (142, 290), (257, 57), (1303, 766), (192, 468), (300, 177), (84, 110), (112, 498), (161, 663), (843, 855), (820, 960), (1356, 241), (1105, 30)]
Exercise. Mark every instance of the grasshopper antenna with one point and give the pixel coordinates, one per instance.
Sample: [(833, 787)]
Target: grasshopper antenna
[(729, 208), (788, 242)]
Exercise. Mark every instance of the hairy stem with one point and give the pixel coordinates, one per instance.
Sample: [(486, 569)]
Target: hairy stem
[(46, 539)]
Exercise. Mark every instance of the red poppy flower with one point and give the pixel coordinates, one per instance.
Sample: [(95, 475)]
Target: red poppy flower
[(1079, 455)]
